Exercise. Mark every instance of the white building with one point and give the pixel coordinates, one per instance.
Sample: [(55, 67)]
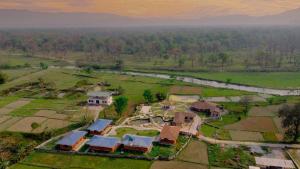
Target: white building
[(100, 98)]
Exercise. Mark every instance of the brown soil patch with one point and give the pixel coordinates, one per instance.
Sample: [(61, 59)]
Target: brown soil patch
[(14, 105), (4, 118), (246, 136), (9, 122), (277, 122), (189, 154), (176, 165), (185, 90), (24, 125), (265, 111), (259, 124), (51, 114)]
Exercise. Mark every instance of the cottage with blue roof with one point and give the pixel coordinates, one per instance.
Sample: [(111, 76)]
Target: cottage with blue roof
[(100, 127), (137, 143), (71, 141), (100, 98), (105, 144)]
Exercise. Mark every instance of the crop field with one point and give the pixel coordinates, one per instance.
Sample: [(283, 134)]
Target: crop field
[(176, 165), (195, 152), (258, 124), (13, 106), (270, 111), (184, 98), (246, 136), (48, 160)]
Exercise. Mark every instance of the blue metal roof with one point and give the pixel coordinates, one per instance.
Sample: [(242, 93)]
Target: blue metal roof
[(71, 138), (137, 141), (100, 141), (100, 125)]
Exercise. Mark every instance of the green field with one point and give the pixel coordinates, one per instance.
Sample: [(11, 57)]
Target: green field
[(48, 160)]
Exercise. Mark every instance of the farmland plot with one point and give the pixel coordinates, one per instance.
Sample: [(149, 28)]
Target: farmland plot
[(14, 105), (195, 152), (246, 136), (25, 125), (176, 165), (258, 124)]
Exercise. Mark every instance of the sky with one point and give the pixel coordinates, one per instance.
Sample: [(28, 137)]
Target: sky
[(158, 8)]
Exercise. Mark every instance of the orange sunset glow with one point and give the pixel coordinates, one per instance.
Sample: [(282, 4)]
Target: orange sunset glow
[(157, 8)]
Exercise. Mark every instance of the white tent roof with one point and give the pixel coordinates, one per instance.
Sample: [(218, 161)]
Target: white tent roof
[(261, 161)]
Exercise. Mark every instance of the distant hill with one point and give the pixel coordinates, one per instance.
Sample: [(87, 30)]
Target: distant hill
[(29, 19)]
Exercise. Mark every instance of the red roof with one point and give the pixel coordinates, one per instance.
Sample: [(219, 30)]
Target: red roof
[(204, 105)]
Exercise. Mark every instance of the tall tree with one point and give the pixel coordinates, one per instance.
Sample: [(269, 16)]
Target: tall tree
[(148, 96), (121, 104), (290, 116)]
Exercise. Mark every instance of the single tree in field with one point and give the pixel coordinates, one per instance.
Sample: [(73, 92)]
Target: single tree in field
[(160, 96), (245, 102), (224, 59), (121, 104), (290, 116), (148, 96), (43, 66)]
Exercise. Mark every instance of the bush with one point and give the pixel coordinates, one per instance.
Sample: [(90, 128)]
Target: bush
[(3, 78)]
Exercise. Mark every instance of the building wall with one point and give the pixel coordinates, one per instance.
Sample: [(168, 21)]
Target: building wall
[(100, 101), (71, 148), (140, 149)]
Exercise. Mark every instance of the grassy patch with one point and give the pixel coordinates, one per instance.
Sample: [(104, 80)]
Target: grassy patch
[(229, 157), (123, 131), (270, 137), (75, 161), (8, 99)]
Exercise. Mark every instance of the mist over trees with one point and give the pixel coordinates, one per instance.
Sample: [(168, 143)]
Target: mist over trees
[(221, 49)]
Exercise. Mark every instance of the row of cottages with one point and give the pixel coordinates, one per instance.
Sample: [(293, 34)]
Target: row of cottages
[(100, 127), (100, 98), (72, 141), (211, 109)]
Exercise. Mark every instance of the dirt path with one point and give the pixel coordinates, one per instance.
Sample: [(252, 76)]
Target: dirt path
[(247, 143)]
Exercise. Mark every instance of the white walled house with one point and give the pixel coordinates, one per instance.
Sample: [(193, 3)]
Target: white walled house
[(100, 98)]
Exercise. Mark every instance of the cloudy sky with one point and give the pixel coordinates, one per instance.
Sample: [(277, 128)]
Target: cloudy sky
[(157, 8)]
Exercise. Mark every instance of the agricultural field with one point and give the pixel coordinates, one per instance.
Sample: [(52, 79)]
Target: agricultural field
[(48, 160), (195, 152)]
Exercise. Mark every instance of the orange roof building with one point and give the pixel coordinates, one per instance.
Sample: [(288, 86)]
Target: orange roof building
[(169, 135)]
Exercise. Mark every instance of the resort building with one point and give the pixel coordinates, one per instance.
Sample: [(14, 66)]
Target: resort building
[(169, 135), (72, 141), (183, 117), (100, 127), (211, 109), (100, 98), (137, 143), (104, 144)]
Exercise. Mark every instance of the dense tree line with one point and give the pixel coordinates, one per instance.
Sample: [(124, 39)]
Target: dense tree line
[(263, 48)]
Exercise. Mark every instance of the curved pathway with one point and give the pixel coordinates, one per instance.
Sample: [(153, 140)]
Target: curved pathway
[(216, 84)]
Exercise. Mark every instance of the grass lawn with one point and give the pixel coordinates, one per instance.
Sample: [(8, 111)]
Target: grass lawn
[(75, 161), (123, 131)]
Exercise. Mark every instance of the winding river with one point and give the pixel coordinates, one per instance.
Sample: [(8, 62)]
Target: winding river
[(212, 83)]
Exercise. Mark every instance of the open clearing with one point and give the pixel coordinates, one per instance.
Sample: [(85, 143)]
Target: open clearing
[(259, 124), (24, 125), (176, 165), (49, 160), (195, 152), (245, 136)]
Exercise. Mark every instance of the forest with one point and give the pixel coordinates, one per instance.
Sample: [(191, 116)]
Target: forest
[(191, 49)]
